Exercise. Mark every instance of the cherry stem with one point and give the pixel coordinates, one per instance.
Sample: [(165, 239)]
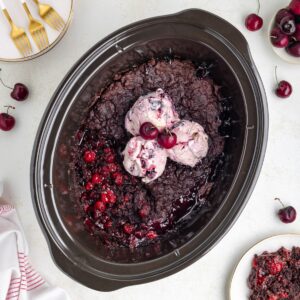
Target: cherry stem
[(9, 87), (276, 78), (278, 199), (9, 107), (258, 10)]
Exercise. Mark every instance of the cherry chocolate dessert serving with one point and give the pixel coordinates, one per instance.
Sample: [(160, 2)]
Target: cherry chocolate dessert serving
[(275, 276), (148, 152)]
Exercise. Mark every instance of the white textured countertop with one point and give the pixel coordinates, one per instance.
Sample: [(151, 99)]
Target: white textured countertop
[(93, 20)]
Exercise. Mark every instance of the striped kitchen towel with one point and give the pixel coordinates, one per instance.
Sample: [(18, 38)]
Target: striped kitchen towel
[(18, 279)]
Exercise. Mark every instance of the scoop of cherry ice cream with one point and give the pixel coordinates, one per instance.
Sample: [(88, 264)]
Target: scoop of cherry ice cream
[(144, 158), (191, 145), (159, 133), (156, 108)]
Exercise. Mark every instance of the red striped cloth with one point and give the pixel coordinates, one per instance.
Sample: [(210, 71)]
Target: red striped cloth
[(18, 279)]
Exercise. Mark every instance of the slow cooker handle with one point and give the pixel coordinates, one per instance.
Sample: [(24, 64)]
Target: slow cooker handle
[(81, 276), (221, 27)]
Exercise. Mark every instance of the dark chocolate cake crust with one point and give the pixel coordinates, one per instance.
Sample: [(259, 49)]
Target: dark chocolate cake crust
[(118, 208)]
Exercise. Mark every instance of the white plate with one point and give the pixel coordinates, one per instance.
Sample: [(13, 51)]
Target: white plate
[(8, 51), (238, 288), (281, 52)]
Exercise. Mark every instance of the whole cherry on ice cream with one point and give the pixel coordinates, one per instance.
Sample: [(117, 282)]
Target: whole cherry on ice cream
[(254, 22), (287, 214), (19, 92), (148, 131), (7, 122), (167, 139)]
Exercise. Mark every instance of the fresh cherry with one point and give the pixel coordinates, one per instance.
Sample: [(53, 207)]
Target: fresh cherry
[(128, 228), (109, 157), (118, 178), (279, 39), (148, 131), (89, 186), (112, 198), (284, 89), (97, 178), (99, 205), (294, 49), (287, 214), (151, 235), (288, 25), (167, 139), (281, 14), (295, 7), (19, 92), (112, 167), (7, 122), (104, 197), (89, 156), (254, 22)]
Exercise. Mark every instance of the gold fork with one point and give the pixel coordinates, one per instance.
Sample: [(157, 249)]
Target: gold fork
[(36, 29), (17, 34), (50, 16)]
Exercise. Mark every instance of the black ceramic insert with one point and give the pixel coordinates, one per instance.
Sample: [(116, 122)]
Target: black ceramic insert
[(192, 34)]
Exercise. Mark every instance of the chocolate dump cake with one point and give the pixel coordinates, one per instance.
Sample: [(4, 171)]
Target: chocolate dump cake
[(119, 208), (276, 275)]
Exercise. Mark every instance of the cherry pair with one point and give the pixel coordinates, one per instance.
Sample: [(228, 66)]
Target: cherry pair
[(19, 92), (165, 139)]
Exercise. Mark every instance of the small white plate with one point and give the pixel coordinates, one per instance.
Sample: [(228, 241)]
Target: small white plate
[(8, 51), (238, 289), (281, 52)]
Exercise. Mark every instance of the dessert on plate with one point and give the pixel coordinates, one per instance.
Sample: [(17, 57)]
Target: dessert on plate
[(148, 152), (275, 275)]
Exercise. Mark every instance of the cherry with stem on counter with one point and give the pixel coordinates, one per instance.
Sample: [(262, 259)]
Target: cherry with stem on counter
[(287, 214), (19, 92), (284, 88), (254, 22), (7, 122)]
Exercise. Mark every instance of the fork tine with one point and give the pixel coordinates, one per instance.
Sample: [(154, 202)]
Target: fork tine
[(55, 20), (58, 19), (55, 23), (44, 37), (41, 35), (39, 39), (24, 45), (28, 45), (19, 46), (21, 43), (36, 39)]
